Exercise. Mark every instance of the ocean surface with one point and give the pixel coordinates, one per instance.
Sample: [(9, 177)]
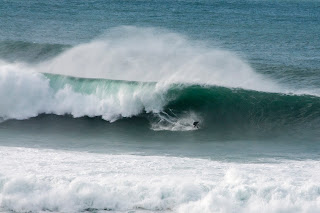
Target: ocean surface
[(98, 100)]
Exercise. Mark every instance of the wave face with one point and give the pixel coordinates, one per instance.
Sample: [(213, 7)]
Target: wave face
[(238, 108)]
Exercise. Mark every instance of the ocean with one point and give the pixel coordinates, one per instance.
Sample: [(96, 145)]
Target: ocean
[(98, 101)]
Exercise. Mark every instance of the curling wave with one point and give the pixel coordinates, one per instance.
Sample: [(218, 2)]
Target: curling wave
[(173, 107), (156, 74)]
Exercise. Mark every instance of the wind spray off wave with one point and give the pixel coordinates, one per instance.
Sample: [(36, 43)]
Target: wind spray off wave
[(154, 55)]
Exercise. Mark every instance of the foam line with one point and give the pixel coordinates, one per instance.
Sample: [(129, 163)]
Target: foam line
[(60, 181)]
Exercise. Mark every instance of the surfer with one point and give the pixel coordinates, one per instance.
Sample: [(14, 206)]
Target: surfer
[(196, 124)]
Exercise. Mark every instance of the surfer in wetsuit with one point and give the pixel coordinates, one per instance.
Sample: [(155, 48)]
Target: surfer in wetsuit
[(195, 124)]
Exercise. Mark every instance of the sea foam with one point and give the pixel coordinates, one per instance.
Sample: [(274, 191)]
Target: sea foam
[(61, 181)]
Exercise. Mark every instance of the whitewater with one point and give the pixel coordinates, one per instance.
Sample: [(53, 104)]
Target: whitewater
[(130, 183)]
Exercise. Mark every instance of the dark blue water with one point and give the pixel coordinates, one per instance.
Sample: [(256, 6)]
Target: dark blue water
[(273, 32)]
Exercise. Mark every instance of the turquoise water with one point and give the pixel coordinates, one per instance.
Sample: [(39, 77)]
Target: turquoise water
[(98, 100)]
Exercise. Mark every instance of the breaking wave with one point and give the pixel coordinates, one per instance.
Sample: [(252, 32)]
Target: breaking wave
[(153, 73), (173, 107)]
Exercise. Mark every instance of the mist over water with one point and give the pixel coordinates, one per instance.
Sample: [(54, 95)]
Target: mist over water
[(148, 54), (98, 103)]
